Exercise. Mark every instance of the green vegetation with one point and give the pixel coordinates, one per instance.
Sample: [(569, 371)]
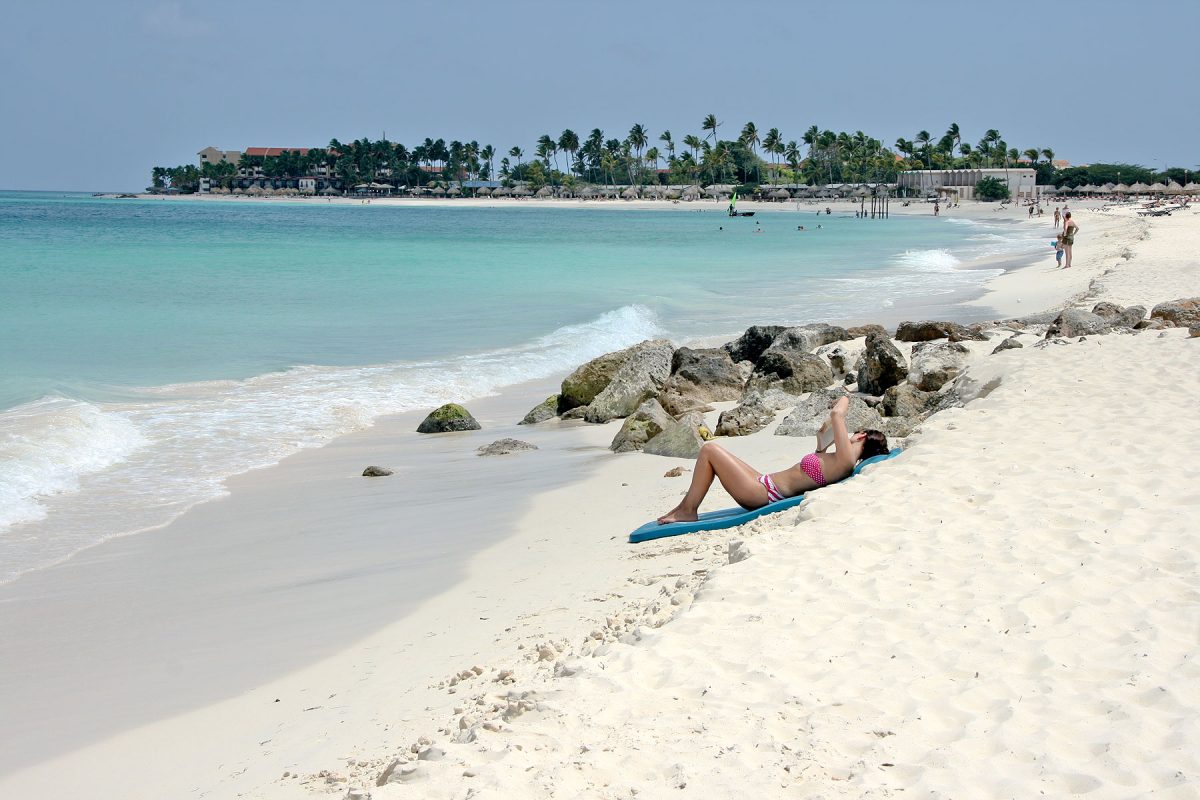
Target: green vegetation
[(817, 157), (989, 188)]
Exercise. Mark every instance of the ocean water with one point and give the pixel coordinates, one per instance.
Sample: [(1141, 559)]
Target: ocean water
[(150, 349)]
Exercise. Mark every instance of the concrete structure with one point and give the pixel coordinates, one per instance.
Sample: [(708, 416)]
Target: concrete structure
[(307, 185), (211, 155), (1021, 182)]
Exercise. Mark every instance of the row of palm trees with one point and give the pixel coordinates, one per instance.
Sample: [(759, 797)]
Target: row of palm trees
[(818, 156)]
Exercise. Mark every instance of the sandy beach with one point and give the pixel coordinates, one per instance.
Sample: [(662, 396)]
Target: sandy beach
[(1008, 609)]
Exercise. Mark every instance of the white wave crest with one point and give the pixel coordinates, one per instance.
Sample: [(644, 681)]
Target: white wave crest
[(928, 260), (48, 445)]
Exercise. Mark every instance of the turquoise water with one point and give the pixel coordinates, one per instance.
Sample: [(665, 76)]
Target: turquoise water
[(149, 349)]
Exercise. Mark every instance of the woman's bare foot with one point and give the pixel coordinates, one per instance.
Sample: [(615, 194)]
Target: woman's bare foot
[(677, 514)]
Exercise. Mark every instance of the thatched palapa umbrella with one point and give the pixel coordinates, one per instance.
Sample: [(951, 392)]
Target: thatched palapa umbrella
[(438, 191), (1139, 188), (630, 194), (1121, 188), (1157, 188), (691, 193), (780, 194), (522, 191), (1192, 188), (483, 192), (544, 192), (1174, 188)]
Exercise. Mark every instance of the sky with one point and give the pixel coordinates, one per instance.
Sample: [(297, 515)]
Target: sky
[(94, 94)]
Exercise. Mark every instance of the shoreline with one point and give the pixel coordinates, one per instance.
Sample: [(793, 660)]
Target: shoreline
[(672, 562)]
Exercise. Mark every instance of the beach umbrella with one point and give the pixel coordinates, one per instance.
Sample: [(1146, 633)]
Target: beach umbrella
[(781, 194), (545, 191), (630, 194), (610, 191), (691, 193), (1192, 187), (1159, 187), (483, 192), (588, 191), (1108, 187), (521, 191), (1138, 188), (438, 191), (453, 191), (1121, 188), (239, 190), (672, 194), (1174, 188)]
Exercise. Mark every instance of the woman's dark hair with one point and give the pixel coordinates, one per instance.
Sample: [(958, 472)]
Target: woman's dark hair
[(875, 444)]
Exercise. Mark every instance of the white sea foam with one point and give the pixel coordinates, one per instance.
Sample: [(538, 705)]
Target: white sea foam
[(928, 260), (73, 474), (48, 445)]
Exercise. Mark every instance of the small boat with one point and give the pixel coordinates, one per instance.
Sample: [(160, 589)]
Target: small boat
[(741, 213)]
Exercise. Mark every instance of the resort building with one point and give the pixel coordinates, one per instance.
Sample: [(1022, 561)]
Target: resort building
[(211, 155), (1021, 182)]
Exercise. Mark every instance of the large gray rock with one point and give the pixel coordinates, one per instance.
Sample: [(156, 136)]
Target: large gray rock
[(640, 427), (747, 418), (1040, 318), (935, 363), (637, 380), (1194, 331), (806, 338), (882, 365), (865, 330), (906, 400), (1010, 343), (547, 409), (928, 330), (1116, 316), (1072, 322), (699, 377), (898, 427), (376, 472), (682, 439), (790, 371), (808, 416), (589, 379), (502, 447), (1181, 313), (450, 417), (775, 398), (751, 344)]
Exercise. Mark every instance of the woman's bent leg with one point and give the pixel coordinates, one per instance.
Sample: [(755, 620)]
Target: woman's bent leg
[(738, 478)]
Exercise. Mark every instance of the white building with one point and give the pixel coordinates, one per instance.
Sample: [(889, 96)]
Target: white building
[(1022, 183)]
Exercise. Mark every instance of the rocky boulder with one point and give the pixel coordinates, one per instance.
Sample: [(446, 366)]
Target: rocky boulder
[(637, 380), (589, 379), (1181, 313), (881, 367), (790, 371), (1072, 322), (806, 338), (1118, 316), (935, 363), (699, 377), (450, 417), (749, 417), (682, 439), (1194, 331), (641, 426), (808, 416), (751, 344), (865, 330), (1008, 344), (502, 447), (376, 472), (928, 330), (547, 409), (906, 400)]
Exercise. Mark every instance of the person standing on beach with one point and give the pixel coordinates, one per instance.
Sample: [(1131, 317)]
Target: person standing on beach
[(1068, 237), (937, 208), (1057, 217)]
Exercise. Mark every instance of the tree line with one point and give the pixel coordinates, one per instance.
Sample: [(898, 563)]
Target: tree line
[(750, 158)]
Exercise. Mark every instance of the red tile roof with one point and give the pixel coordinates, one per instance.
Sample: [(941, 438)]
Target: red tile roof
[(274, 151)]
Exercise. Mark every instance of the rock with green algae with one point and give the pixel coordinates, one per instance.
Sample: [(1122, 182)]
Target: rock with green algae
[(547, 409), (450, 417)]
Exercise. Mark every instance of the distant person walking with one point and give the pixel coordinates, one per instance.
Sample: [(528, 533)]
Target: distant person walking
[(1057, 217), (937, 208), (1068, 237)]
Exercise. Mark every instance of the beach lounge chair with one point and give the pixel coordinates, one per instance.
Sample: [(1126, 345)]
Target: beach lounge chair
[(731, 517)]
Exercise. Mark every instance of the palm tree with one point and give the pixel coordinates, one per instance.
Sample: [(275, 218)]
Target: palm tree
[(637, 140), (1032, 154), (568, 142), (546, 147), (487, 154), (710, 124), (954, 134), (516, 153), (773, 144), (750, 138), (792, 153), (693, 143), (1048, 154), (665, 138), (652, 158)]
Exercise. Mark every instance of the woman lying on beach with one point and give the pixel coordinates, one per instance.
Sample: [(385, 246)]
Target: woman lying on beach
[(752, 489)]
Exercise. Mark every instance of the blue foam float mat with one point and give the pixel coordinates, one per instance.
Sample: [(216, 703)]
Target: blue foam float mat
[(731, 517)]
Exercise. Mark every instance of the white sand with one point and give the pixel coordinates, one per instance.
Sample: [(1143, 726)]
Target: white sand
[(1008, 610)]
